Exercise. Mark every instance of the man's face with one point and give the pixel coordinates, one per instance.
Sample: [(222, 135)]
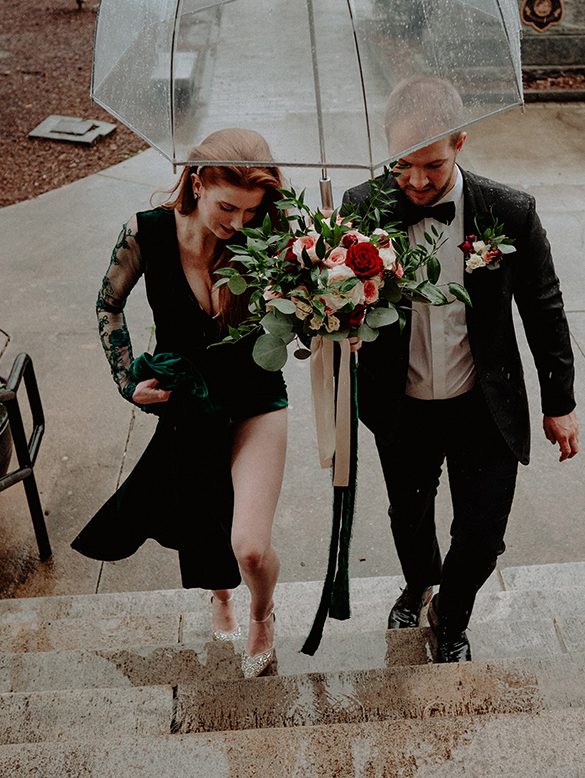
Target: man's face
[(429, 173)]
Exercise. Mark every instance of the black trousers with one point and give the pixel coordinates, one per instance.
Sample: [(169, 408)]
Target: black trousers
[(482, 477)]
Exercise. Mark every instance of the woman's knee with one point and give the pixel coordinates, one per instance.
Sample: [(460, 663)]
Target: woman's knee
[(251, 556)]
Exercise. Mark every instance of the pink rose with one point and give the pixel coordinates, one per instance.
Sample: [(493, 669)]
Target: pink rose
[(308, 243), (383, 239), (492, 256), (398, 270), (371, 293), (270, 294), (336, 257)]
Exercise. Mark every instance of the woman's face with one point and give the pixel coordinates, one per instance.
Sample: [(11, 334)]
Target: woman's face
[(224, 209)]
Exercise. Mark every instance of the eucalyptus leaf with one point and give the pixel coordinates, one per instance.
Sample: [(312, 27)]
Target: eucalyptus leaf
[(280, 327), (282, 305), (367, 333), (381, 317), (270, 352), (237, 285)]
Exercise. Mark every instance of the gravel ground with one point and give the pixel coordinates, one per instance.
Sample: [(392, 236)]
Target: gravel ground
[(45, 68)]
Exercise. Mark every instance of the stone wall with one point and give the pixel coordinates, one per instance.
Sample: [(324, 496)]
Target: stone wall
[(562, 43)]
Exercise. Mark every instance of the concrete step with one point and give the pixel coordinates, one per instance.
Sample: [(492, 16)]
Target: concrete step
[(198, 659), (87, 714), (315, 699), (370, 597), (549, 745), (98, 629)]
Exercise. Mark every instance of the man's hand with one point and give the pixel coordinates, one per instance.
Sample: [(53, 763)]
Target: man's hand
[(563, 430), (147, 393)]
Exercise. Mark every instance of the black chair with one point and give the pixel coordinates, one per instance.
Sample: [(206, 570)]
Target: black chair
[(26, 451)]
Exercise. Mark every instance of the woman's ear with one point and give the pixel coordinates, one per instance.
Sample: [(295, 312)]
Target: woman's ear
[(197, 184)]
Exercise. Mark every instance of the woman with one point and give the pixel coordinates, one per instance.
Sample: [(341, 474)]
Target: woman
[(209, 481)]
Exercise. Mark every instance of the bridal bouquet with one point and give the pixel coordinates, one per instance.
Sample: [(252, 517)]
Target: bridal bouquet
[(335, 276)]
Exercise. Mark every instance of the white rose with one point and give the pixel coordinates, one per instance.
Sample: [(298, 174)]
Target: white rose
[(302, 309), (474, 262), (334, 301), (388, 257), (479, 246), (332, 324), (339, 274)]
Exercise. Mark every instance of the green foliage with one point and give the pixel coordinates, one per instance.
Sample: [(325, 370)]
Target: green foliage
[(270, 352), (291, 297)]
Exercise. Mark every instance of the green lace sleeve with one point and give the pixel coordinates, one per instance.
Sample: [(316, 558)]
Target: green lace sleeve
[(122, 275)]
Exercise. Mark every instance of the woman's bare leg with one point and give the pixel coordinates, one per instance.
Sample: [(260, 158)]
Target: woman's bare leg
[(223, 614), (257, 467)]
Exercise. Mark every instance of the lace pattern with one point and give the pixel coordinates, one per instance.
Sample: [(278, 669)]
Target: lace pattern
[(121, 277)]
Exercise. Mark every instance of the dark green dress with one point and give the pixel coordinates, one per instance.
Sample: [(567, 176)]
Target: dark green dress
[(180, 492)]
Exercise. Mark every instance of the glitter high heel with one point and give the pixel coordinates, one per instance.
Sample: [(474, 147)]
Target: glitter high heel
[(220, 635), (253, 666)]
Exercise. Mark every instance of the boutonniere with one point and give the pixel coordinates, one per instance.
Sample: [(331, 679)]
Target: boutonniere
[(486, 249)]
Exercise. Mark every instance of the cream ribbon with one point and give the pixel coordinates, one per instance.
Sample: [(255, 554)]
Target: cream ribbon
[(333, 428)]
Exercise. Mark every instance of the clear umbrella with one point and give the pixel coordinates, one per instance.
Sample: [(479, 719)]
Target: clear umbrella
[(313, 76)]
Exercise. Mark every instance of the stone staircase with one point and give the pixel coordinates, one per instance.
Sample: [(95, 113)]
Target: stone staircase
[(129, 684)]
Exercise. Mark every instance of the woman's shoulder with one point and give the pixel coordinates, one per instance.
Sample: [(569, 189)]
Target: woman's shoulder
[(155, 216)]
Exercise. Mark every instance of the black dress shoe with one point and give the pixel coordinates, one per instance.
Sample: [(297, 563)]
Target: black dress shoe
[(452, 646), (406, 610)]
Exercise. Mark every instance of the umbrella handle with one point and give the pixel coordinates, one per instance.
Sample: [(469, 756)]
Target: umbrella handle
[(326, 193)]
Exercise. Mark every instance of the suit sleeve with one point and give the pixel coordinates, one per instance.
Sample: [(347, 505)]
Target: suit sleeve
[(540, 303)]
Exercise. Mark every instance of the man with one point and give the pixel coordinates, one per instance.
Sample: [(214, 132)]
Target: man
[(450, 386)]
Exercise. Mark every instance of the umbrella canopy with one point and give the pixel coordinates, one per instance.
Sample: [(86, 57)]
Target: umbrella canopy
[(313, 76)]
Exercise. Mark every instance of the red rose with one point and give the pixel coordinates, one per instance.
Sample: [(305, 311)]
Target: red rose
[(356, 317), (365, 260), (349, 240), (466, 247), (290, 256)]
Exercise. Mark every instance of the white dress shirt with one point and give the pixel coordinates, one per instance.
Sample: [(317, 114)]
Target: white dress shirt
[(441, 365)]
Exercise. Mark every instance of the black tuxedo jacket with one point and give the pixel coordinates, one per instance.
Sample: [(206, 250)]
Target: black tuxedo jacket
[(528, 277)]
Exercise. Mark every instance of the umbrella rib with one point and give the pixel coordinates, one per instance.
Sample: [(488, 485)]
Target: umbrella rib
[(317, 85), (363, 84), (172, 81), (519, 86)]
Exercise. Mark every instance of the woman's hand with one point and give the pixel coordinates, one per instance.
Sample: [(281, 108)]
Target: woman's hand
[(355, 344), (148, 392)]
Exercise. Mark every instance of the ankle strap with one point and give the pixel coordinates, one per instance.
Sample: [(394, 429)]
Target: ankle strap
[(261, 621), (229, 599)]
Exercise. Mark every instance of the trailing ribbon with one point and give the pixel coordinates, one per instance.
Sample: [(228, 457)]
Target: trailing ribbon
[(335, 595), (332, 410)]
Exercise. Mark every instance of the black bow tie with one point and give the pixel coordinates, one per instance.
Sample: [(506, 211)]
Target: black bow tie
[(444, 212)]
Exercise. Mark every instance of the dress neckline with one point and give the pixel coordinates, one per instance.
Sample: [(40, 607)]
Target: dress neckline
[(181, 270)]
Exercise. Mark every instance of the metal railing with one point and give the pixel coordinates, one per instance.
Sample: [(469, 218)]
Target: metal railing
[(26, 451)]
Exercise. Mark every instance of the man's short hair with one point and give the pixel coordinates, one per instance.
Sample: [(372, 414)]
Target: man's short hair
[(428, 106)]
